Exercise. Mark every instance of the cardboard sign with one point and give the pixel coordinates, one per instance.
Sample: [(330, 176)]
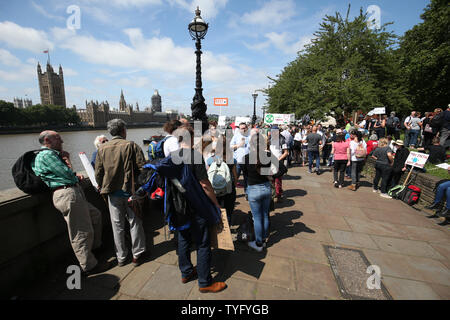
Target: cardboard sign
[(221, 238), (277, 118), (221, 102), (89, 169), (417, 159)]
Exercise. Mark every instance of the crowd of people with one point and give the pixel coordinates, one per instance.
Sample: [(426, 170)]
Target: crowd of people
[(260, 153)]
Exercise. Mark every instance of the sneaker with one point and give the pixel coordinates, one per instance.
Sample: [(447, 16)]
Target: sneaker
[(122, 263), (340, 186), (385, 195), (191, 276), (253, 245), (213, 288), (336, 184)]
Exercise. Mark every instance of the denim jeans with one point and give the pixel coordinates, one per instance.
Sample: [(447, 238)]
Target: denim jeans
[(382, 171), (313, 155), (356, 171), (198, 232), (443, 188), (413, 135), (259, 196)]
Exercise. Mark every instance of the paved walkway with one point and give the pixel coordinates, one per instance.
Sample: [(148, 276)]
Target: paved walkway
[(412, 251)]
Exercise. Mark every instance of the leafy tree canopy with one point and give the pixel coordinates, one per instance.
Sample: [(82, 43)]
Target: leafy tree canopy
[(347, 67)]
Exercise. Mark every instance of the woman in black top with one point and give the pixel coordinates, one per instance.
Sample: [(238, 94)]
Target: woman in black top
[(257, 167), (399, 166)]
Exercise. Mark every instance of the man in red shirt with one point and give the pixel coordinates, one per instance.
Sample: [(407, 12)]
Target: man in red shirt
[(372, 144)]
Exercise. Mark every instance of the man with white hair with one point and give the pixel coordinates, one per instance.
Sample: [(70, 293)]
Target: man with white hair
[(99, 140), (118, 165)]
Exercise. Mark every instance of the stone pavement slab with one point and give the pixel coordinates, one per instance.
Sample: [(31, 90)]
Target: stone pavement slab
[(403, 289), (408, 267), (353, 239), (317, 279), (408, 247), (166, 284)]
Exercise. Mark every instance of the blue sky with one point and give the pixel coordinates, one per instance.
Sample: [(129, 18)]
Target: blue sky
[(143, 45)]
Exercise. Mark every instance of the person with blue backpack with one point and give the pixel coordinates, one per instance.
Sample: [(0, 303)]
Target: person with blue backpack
[(162, 148)]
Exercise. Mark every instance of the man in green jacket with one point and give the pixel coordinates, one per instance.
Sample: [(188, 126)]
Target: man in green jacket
[(84, 221)]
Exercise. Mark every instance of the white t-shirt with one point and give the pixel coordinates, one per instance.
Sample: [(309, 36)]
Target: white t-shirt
[(298, 137), (353, 146), (171, 145), (277, 150)]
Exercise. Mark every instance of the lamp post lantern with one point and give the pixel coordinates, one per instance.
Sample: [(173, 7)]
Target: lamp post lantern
[(255, 95), (198, 29)]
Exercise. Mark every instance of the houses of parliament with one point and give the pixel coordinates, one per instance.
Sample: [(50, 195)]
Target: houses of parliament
[(95, 114)]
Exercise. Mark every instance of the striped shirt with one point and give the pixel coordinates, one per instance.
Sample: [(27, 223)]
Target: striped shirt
[(49, 166)]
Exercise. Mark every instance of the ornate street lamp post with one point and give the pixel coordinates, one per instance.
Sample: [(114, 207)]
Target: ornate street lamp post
[(198, 29), (255, 95)]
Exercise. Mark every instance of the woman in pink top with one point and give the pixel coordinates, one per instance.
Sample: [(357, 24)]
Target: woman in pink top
[(340, 151)]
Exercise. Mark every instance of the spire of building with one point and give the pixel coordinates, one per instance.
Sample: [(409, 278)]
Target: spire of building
[(122, 102)]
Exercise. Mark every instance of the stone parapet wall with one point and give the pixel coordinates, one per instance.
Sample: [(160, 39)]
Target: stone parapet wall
[(34, 238)]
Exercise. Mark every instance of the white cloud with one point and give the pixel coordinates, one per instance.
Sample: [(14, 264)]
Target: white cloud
[(282, 41), (209, 8), (154, 54), (125, 3), (135, 82), (24, 73), (42, 11), (19, 37), (272, 13), (8, 59), (69, 72)]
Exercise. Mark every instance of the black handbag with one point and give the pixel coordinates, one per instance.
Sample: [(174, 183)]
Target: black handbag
[(282, 170)]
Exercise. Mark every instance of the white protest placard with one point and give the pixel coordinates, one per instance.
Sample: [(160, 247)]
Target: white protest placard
[(417, 159), (222, 121), (89, 169), (239, 120), (381, 110)]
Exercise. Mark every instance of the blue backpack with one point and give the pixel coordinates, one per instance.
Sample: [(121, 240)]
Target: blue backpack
[(156, 149)]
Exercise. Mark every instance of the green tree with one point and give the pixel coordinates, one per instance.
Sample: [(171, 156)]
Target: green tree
[(424, 55), (9, 116), (346, 67)]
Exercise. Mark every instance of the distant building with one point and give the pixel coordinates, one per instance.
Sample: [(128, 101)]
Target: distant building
[(51, 86), (98, 114), (156, 102), (22, 103)]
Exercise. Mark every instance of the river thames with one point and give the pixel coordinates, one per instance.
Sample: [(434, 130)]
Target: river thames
[(13, 146)]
